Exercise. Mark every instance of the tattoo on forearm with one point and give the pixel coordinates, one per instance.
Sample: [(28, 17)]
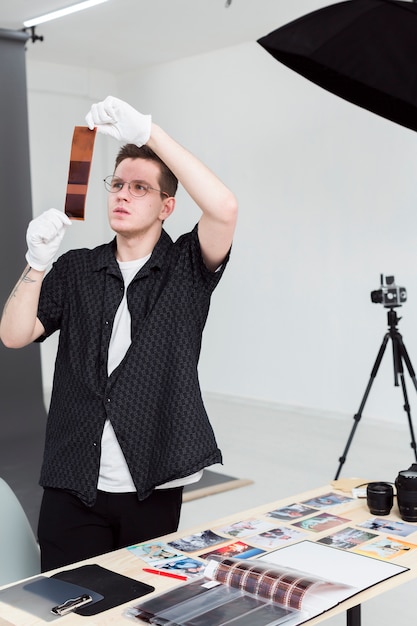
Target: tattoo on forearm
[(25, 278)]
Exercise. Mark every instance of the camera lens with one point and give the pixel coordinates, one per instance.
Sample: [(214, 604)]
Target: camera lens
[(379, 498), (376, 296)]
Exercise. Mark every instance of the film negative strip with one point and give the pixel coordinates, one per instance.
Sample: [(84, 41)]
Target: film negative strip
[(79, 171), (260, 579)]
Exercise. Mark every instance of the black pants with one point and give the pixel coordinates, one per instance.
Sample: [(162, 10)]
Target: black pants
[(70, 531)]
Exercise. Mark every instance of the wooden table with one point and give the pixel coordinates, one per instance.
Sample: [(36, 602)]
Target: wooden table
[(124, 562)]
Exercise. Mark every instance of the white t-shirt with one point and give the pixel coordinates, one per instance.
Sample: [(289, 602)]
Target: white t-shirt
[(114, 475)]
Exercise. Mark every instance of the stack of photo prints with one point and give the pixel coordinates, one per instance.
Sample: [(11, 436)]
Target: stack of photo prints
[(284, 566)]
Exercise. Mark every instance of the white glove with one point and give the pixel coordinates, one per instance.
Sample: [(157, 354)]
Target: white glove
[(44, 236), (119, 120)]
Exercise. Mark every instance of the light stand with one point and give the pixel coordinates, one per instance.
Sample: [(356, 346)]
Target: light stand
[(400, 355), (33, 36)]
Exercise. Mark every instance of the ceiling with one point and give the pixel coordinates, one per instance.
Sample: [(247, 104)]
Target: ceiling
[(123, 35)]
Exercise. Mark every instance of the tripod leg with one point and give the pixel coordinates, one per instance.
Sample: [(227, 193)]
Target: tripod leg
[(407, 410), (358, 415), (401, 353), (404, 354)]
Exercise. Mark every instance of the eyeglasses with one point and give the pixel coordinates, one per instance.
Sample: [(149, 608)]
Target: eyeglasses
[(137, 188)]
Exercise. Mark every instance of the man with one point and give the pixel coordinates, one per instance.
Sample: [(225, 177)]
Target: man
[(127, 426)]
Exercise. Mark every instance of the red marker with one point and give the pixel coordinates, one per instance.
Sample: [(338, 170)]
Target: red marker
[(161, 573)]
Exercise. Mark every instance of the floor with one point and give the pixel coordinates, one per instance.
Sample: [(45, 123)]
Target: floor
[(283, 452)]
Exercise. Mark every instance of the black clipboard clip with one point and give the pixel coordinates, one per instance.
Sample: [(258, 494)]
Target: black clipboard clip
[(71, 604)]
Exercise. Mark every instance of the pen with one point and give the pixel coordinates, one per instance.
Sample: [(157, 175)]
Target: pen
[(161, 573)]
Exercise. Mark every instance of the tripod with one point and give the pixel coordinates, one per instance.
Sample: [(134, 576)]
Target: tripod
[(400, 354)]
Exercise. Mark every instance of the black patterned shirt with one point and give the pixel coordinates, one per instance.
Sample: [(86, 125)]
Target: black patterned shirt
[(153, 398)]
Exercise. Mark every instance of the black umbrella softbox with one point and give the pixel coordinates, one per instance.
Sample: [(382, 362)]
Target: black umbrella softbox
[(364, 51)]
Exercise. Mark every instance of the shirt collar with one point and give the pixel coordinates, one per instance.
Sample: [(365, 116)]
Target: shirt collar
[(106, 254)]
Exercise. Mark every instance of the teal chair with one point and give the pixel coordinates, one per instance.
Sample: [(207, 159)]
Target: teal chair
[(19, 550)]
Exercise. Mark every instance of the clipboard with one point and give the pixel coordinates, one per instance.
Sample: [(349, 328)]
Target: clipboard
[(107, 589), (41, 594)]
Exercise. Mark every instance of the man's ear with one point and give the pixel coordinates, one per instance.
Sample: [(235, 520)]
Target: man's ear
[(168, 208)]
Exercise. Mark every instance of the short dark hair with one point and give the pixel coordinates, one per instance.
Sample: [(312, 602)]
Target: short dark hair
[(168, 182)]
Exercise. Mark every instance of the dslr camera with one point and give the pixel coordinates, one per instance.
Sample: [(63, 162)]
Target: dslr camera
[(406, 484), (389, 294)]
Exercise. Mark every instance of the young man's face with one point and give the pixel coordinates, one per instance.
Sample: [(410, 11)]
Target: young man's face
[(128, 213)]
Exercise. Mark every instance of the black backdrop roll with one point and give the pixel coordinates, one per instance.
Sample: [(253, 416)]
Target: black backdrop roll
[(22, 410)]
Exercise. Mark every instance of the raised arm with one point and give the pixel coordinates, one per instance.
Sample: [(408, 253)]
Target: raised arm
[(216, 201), (218, 204), (19, 324)]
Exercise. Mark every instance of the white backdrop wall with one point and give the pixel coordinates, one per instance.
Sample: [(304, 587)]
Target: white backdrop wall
[(327, 195)]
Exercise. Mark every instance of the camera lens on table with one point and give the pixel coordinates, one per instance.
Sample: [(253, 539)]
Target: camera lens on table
[(379, 498)]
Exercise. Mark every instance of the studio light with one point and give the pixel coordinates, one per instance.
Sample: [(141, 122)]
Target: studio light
[(80, 6)]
